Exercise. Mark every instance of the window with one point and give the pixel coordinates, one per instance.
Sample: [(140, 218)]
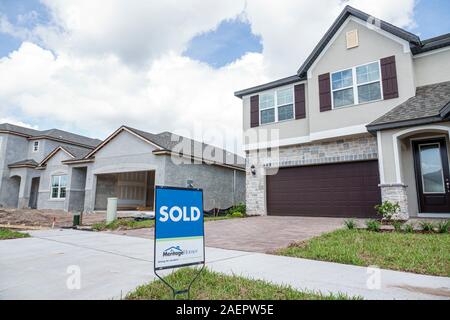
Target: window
[(431, 168), (35, 146), (357, 85), (59, 187), (276, 105)]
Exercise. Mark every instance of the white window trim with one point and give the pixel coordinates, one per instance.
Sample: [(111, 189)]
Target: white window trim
[(34, 146), (276, 106), (59, 187), (355, 86), (442, 167)]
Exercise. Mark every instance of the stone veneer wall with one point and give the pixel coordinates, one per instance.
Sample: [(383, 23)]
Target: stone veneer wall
[(396, 193), (358, 148)]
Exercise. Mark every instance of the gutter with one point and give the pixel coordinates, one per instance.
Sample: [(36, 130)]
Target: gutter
[(404, 123), (210, 162)]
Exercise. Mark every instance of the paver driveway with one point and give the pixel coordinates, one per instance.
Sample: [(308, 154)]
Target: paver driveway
[(257, 234)]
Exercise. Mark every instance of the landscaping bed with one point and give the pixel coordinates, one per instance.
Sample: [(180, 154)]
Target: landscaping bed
[(6, 234), (421, 252), (216, 286)]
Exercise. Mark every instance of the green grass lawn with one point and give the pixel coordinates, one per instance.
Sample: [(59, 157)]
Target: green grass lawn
[(10, 234), (215, 286), (418, 253)]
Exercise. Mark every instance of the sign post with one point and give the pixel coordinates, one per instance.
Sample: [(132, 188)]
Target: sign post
[(179, 231)]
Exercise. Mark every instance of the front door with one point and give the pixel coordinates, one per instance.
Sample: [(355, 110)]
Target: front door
[(34, 193), (432, 175)]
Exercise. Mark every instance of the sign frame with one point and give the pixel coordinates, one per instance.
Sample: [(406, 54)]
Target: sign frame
[(155, 268)]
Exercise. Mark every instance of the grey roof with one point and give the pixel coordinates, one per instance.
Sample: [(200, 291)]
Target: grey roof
[(432, 44), (26, 162), (430, 104), (168, 141), (270, 85), (51, 134), (22, 130), (417, 46), (78, 152)]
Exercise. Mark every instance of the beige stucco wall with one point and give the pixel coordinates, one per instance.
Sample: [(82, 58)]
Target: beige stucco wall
[(287, 129), (372, 47), (432, 68)]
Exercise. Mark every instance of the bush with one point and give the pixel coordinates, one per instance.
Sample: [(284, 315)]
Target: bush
[(409, 228), (237, 214), (387, 209), (237, 208), (350, 224), (443, 226), (397, 226), (373, 225), (426, 226)]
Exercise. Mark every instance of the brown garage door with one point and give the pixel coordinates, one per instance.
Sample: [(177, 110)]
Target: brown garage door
[(331, 190)]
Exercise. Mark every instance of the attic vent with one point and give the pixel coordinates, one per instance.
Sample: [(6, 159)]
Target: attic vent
[(352, 39)]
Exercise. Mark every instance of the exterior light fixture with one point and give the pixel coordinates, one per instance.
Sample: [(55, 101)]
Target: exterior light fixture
[(253, 170)]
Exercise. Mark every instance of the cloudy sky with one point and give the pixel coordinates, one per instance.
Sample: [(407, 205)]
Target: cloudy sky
[(89, 66)]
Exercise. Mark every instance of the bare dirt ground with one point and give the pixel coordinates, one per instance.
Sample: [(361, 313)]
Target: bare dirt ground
[(45, 218)]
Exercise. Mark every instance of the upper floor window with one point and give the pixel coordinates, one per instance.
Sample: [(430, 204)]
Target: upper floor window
[(35, 146), (276, 105), (59, 184), (356, 85)]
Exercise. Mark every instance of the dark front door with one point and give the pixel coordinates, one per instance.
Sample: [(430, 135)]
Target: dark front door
[(432, 175), (329, 190)]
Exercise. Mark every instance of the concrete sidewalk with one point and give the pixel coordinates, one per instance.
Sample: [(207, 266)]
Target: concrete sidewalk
[(112, 265)]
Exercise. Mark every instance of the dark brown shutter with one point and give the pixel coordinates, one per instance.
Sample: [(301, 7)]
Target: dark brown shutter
[(324, 92), (300, 101), (254, 111), (389, 78)]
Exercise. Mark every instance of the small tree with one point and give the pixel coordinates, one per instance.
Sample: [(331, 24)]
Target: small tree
[(387, 209)]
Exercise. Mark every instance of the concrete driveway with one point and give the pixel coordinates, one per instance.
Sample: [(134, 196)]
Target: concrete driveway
[(257, 234), (111, 265)]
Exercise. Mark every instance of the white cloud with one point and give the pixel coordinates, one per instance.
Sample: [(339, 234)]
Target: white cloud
[(12, 120), (121, 63)]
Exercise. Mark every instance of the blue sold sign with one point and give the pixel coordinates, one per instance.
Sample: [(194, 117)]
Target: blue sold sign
[(179, 231)]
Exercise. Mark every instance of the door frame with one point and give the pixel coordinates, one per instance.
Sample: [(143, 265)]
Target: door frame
[(443, 146)]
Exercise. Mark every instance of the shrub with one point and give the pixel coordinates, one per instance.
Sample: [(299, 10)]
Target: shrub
[(237, 208), (237, 214), (409, 228), (426, 226), (387, 209), (443, 226), (373, 225), (397, 226), (350, 224)]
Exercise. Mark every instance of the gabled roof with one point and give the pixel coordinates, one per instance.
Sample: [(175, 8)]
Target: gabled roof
[(27, 163), (73, 152), (430, 104), (52, 134), (165, 143), (350, 11), (417, 46)]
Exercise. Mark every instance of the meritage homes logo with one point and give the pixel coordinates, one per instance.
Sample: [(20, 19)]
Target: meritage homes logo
[(177, 251)]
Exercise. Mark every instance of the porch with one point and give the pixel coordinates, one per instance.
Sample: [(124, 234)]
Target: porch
[(414, 169)]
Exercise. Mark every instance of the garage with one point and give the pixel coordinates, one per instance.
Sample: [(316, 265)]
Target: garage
[(329, 190)]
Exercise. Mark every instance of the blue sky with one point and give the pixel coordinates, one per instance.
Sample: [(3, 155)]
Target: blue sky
[(231, 39)]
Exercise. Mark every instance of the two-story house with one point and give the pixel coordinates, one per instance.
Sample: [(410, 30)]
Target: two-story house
[(365, 119)]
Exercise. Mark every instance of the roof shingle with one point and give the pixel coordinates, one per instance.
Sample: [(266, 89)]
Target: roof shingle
[(426, 104)]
